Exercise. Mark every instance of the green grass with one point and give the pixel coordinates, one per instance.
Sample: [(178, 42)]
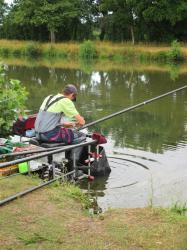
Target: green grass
[(179, 208), (54, 218), (12, 185), (96, 50), (147, 229)]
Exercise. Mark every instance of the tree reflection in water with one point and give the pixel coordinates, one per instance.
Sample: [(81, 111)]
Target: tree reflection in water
[(151, 128)]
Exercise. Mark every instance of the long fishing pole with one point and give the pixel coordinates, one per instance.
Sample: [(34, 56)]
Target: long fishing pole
[(37, 156), (132, 107), (27, 191), (27, 152), (122, 111)]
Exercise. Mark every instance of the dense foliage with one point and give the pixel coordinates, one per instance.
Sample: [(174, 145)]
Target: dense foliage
[(12, 101), (115, 20)]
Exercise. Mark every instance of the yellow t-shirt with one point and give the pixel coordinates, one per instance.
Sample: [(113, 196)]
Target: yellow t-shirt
[(64, 105)]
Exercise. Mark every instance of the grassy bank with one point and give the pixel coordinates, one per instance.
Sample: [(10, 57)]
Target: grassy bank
[(56, 218), (97, 50)]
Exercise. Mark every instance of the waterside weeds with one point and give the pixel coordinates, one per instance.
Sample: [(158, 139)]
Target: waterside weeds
[(179, 208), (89, 50)]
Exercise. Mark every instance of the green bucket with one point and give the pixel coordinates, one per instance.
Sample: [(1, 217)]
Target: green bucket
[(23, 167)]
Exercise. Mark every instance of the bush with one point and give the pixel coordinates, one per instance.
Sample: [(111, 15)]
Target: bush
[(4, 51), (175, 54), (161, 56), (33, 50), (12, 101), (87, 50), (17, 52)]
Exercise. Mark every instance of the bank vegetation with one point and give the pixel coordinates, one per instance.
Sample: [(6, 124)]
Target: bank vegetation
[(89, 50), (62, 217)]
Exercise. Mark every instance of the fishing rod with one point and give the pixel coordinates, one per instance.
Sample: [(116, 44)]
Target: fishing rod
[(120, 112), (27, 152), (37, 156), (27, 191), (132, 108)]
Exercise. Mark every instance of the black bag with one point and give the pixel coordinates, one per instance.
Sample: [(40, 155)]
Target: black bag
[(18, 127), (99, 167)]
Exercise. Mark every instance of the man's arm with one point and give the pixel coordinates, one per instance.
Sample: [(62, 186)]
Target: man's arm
[(79, 120), (69, 110)]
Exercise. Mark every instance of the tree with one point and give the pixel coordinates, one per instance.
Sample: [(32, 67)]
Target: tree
[(160, 18), (53, 15), (3, 8), (117, 20), (117, 16)]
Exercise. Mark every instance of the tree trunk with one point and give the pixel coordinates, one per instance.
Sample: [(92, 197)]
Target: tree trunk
[(132, 34), (102, 34), (52, 36), (103, 27)]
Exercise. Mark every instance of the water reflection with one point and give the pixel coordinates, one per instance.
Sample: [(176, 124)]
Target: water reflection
[(154, 135), (155, 127)]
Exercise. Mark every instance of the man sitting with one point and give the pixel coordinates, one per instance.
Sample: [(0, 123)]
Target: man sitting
[(58, 118)]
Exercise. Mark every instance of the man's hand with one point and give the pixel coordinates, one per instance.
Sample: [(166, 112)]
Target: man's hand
[(69, 124), (79, 122)]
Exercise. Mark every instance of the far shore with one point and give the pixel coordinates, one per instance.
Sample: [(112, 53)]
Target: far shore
[(142, 52)]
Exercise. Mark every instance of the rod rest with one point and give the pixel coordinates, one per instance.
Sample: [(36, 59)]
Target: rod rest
[(37, 142)]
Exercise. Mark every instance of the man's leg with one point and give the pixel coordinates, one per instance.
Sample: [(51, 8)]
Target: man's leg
[(78, 138)]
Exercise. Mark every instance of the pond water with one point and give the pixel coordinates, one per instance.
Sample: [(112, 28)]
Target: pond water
[(154, 135)]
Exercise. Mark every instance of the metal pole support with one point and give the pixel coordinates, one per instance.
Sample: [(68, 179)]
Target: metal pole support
[(53, 170), (89, 163), (97, 152), (50, 159), (74, 165)]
